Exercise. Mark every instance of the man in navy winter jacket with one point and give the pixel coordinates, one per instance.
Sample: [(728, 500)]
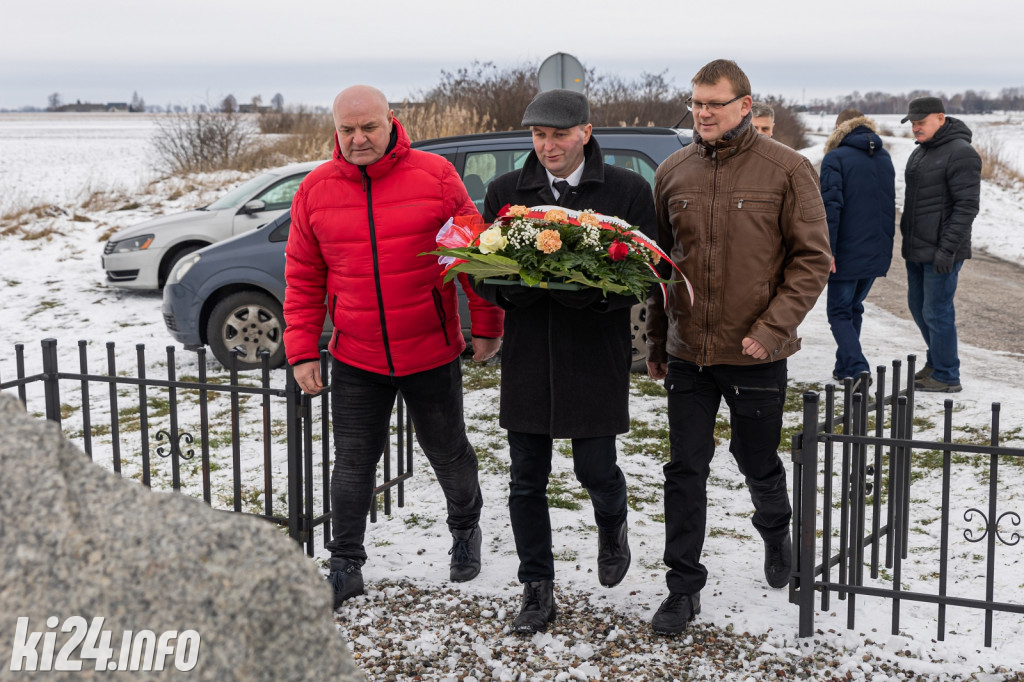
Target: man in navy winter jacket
[(859, 190)]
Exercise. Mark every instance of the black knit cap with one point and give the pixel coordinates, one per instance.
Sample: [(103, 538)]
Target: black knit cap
[(921, 107), (557, 109)]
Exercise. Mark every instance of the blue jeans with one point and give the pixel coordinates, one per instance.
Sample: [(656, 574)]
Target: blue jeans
[(755, 395), (930, 297), (845, 312), (593, 461), (361, 409)]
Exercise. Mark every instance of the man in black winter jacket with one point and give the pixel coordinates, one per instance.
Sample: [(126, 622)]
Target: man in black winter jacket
[(943, 178), (566, 354)]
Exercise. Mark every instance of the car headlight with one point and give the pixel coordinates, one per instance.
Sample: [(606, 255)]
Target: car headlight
[(182, 267), (133, 244)]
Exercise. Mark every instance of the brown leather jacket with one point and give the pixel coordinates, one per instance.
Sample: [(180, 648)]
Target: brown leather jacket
[(746, 224)]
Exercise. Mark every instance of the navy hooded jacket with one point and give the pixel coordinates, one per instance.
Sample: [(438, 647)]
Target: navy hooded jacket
[(858, 186)]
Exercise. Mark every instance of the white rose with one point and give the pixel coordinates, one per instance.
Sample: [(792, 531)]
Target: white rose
[(492, 240)]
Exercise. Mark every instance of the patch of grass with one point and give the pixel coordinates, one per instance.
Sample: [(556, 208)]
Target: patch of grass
[(714, 532), (476, 376), (996, 162), (566, 554), (639, 497), (412, 520), (43, 306), (644, 385), (565, 494), (642, 429), (795, 395)]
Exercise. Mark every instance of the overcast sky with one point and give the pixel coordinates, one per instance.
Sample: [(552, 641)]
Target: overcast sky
[(195, 51)]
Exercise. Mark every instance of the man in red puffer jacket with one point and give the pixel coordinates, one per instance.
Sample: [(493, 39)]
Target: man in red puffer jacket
[(359, 223)]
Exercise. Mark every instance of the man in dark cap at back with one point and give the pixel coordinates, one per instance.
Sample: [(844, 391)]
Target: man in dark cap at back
[(943, 177), (566, 356)]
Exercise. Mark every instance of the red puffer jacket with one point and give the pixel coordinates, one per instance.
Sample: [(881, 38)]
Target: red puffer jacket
[(355, 241)]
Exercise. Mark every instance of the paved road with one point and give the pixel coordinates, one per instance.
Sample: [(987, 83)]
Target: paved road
[(989, 299)]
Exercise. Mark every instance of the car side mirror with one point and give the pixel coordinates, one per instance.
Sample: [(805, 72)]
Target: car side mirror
[(254, 206)]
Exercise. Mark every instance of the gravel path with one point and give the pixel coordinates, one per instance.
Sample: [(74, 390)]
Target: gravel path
[(404, 631), (989, 300)]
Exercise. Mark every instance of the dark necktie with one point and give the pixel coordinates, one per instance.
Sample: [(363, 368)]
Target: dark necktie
[(563, 190)]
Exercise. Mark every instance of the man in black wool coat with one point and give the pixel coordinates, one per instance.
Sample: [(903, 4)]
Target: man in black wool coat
[(566, 354)]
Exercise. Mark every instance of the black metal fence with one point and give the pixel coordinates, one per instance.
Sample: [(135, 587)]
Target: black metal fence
[(861, 466), (243, 443)]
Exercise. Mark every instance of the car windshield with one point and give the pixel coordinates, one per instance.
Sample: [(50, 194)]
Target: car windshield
[(241, 193)]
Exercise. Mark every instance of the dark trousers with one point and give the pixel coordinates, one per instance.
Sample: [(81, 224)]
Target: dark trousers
[(755, 395), (361, 410), (593, 461), (845, 309)]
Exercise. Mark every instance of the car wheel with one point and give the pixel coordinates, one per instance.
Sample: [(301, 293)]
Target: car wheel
[(172, 258), (251, 321), (638, 335)]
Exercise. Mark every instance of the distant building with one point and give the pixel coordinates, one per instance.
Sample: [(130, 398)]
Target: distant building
[(254, 109), (118, 106), (83, 107)]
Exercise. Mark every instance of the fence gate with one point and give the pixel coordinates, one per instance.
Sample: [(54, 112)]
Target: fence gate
[(854, 474), (245, 442)]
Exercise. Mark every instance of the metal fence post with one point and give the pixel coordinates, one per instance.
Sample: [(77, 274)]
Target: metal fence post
[(292, 397), (809, 511), (51, 380)]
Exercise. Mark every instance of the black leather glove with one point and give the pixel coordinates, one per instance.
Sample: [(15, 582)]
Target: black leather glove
[(943, 263), (576, 299), (520, 296)]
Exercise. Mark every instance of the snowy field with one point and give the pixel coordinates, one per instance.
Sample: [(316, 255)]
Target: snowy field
[(54, 286)]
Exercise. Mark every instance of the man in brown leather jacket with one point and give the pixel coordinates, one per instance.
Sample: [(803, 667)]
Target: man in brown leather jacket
[(742, 216)]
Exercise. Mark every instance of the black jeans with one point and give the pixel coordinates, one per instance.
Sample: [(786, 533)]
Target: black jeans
[(361, 410), (755, 395), (593, 461)]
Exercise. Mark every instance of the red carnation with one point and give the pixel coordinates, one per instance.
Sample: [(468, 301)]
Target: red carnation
[(618, 250)]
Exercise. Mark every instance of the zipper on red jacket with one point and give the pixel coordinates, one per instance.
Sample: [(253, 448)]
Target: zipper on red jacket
[(376, 270)]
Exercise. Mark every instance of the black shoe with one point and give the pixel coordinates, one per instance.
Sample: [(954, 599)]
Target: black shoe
[(613, 555), (538, 607), (465, 553), (778, 562), (675, 613), (347, 582)]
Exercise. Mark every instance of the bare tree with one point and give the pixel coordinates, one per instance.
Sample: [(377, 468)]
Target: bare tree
[(277, 101), (229, 104), (201, 141), (53, 102), (138, 104)]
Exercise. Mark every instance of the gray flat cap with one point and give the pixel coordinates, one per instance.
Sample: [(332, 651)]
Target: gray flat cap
[(557, 109), (921, 107)]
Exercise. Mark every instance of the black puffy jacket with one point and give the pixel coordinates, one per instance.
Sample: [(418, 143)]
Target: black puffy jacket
[(943, 186)]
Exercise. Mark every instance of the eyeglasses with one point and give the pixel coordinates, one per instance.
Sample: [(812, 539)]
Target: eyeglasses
[(709, 106)]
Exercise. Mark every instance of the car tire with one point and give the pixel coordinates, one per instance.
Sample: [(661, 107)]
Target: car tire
[(638, 336), (171, 259), (251, 321)]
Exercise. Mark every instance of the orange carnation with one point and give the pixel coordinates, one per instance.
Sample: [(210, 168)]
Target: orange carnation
[(549, 241), (556, 215)]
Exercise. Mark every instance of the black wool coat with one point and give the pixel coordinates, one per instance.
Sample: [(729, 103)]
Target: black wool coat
[(565, 371), (943, 188)]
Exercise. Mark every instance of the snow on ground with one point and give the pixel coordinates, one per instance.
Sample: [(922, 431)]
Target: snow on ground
[(54, 287)]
